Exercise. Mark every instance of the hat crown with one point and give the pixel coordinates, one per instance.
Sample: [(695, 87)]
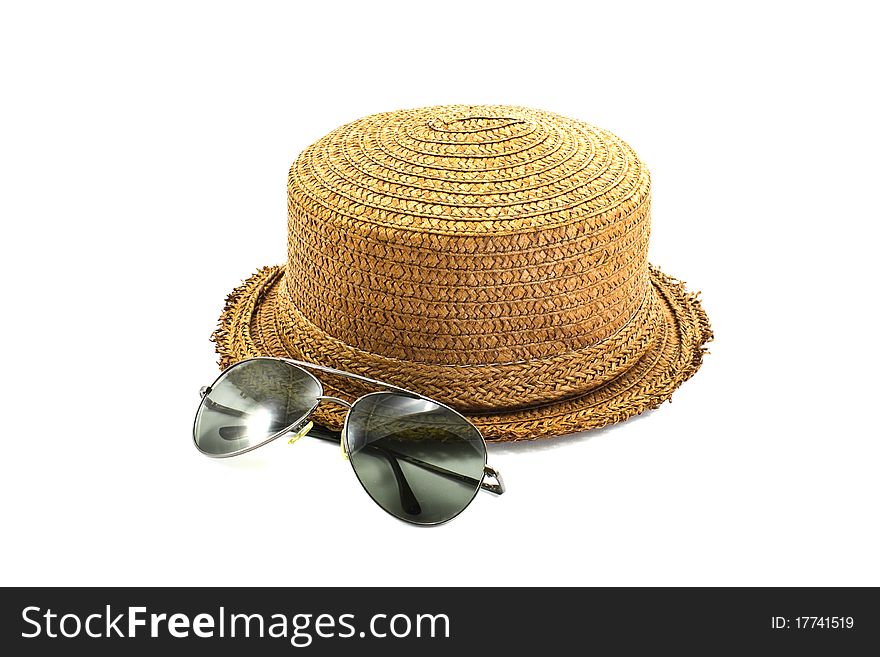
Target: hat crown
[(480, 238)]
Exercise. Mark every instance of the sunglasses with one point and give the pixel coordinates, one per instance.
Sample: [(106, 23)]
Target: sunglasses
[(418, 459)]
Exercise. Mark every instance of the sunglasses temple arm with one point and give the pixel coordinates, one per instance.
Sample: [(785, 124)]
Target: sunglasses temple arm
[(497, 487), (220, 408), (407, 497)]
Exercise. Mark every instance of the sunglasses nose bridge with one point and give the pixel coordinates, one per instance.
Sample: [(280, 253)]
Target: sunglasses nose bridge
[(347, 406), (334, 400)]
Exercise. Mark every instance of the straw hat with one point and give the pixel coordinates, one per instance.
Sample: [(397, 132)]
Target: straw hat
[(491, 257)]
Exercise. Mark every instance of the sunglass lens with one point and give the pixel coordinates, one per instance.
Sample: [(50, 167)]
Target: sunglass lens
[(251, 403), (420, 461)]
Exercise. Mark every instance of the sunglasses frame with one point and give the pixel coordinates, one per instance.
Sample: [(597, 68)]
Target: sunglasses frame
[(497, 487)]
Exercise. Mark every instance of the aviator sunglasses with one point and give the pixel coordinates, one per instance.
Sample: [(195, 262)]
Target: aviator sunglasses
[(420, 460)]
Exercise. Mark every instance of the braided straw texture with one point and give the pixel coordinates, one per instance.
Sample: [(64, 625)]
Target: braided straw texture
[(491, 257)]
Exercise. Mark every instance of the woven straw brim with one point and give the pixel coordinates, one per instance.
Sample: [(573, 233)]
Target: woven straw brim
[(252, 324)]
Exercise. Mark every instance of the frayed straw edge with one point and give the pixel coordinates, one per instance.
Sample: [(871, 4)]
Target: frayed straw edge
[(700, 319), (223, 336)]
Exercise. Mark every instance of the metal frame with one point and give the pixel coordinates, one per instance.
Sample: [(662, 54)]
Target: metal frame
[(497, 487)]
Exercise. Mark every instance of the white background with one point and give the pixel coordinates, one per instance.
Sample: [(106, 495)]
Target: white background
[(143, 162)]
